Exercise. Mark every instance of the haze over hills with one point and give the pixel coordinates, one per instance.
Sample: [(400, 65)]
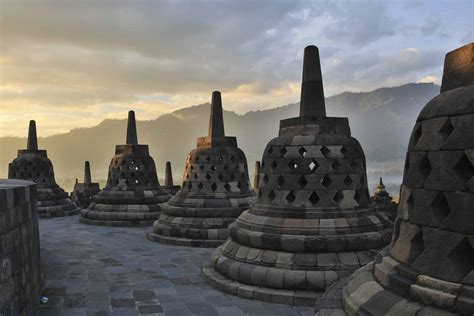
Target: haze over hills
[(381, 120)]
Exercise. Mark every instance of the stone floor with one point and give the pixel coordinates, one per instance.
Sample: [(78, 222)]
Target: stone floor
[(93, 270)]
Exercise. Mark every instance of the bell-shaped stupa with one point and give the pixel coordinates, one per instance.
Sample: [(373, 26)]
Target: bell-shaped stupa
[(216, 190), (132, 195), (33, 164), (429, 267), (83, 192), (169, 186), (384, 201), (314, 221)]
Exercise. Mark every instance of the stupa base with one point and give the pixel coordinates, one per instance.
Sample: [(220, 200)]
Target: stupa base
[(109, 223), (52, 214), (269, 295), (177, 241)]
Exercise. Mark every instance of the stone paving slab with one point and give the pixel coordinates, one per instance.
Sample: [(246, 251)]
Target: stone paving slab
[(101, 271)]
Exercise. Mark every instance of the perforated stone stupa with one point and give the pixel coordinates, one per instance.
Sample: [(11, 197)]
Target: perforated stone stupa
[(169, 186), (132, 195), (384, 201), (83, 192), (216, 189), (313, 222), (429, 267), (33, 164)]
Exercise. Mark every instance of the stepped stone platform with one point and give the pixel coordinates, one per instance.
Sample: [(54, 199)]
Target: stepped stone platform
[(84, 192), (216, 190), (429, 267), (313, 222), (132, 195), (34, 165)]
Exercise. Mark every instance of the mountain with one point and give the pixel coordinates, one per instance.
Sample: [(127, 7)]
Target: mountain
[(381, 120)]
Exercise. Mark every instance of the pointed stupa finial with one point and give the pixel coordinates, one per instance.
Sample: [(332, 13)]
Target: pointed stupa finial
[(256, 175), (168, 175), (312, 94), (77, 181), (131, 129), (380, 181), (216, 121), (87, 173), (32, 143)]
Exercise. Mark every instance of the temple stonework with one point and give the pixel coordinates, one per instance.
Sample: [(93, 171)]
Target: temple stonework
[(314, 222), (169, 186), (384, 201), (83, 192), (33, 164), (429, 267), (132, 195), (216, 190)]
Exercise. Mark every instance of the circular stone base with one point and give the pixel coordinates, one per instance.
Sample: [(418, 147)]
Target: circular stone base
[(59, 214), (177, 241), (115, 223), (288, 297)]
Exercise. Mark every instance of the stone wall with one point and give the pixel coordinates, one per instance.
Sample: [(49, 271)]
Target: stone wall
[(19, 248)]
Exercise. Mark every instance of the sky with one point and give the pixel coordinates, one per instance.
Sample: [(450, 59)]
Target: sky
[(70, 64)]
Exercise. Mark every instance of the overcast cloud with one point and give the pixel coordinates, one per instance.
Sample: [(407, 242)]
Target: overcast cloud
[(73, 63)]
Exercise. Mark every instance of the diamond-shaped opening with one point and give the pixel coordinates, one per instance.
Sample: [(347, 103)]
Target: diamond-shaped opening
[(227, 186), (290, 197), (313, 165), (324, 150), (208, 176), (461, 260), (208, 158), (464, 169), (191, 167), (302, 152), (357, 197), (196, 176), (417, 134), (214, 187), (213, 168), (232, 176), (354, 164), (265, 178), (302, 181), (417, 245), (274, 164), (425, 167), (283, 151), (190, 185), (270, 150), (338, 197), (343, 151), (326, 181), (271, 195), (446, 129), (201, 167), (314, 198), (221, 158), (293, 165), (348, 181), (221, 176), (281, 181), (440, 207), (197, 158), (226, 167), (200, 186), (232, 158), (336, 164)]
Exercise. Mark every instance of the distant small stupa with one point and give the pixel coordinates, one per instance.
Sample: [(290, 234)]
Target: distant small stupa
[(216, 190), (83, 192), (132, 195), (256, 176), (384, 201), (169, 186), (33, 164)]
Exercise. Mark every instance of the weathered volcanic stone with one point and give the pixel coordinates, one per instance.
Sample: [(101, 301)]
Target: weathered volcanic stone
[(132, 195), (169, 187), (429, 267), (384, 201), (33, 164), (314, 221), (19, 248), (216, 190), (83, 192)]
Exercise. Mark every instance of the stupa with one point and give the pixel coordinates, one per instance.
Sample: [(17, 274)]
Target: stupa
[(33, 164), (384, 201), (169, 186), (429, 267), (314, 221), (83, 192), (216, 190), (132, 195)]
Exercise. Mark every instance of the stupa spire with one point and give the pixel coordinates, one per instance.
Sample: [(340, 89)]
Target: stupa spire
[(168, 175), (131, 129), (87, 173), (32, 143), (312, 94), (216, 121)]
